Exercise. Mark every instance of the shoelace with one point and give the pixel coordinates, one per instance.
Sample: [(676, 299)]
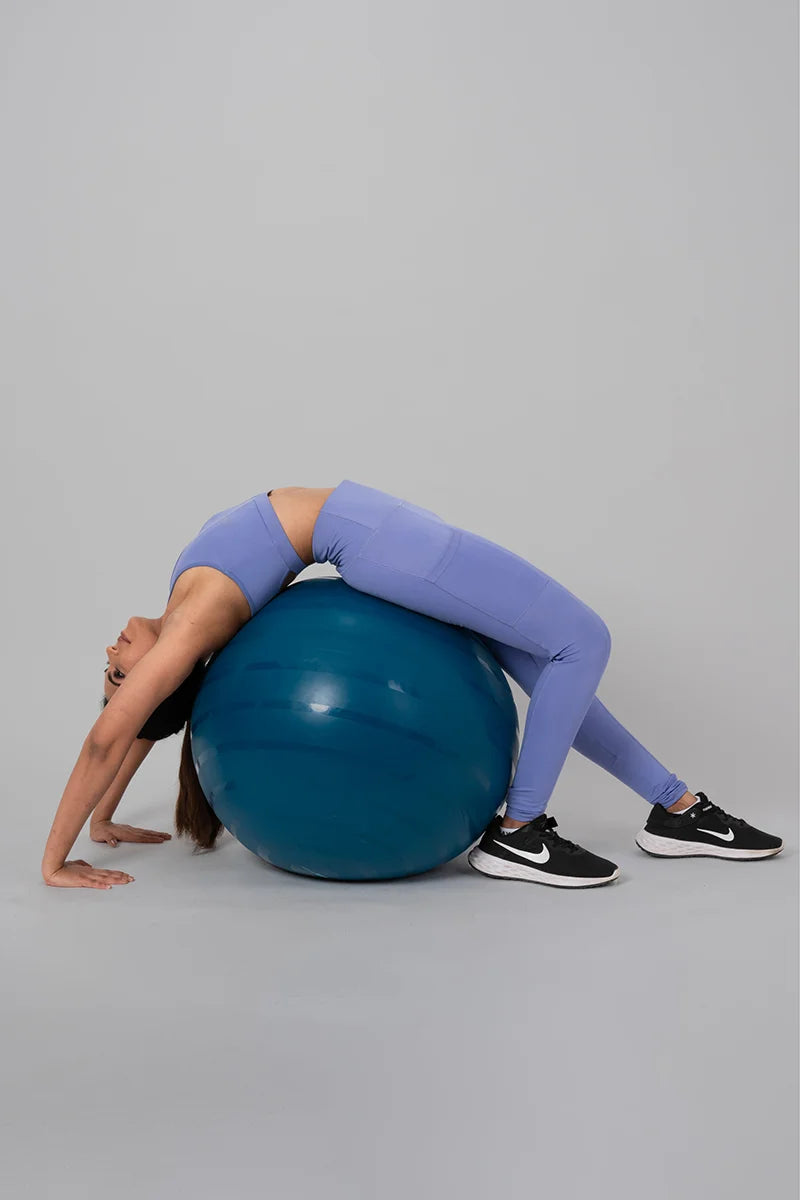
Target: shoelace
[(547, 830), (721, 814), (709, 807)]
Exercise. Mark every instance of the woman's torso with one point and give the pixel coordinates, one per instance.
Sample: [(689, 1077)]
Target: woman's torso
[(214, 601)]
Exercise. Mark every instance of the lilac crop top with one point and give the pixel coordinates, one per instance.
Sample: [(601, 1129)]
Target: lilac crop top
[(248, 544)]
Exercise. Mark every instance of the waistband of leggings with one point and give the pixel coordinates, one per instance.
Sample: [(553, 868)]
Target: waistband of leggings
[(360, 503), (331, 503), (278, 534)]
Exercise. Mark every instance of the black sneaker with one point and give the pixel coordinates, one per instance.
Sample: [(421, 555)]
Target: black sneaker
[(537, 853), (706, 830)]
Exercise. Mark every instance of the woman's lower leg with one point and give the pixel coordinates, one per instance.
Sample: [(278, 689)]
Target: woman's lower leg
[(563, 691), (605, 741), (686, 799), (600, 737)]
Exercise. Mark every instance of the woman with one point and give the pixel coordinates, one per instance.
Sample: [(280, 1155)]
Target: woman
[(543, 636)]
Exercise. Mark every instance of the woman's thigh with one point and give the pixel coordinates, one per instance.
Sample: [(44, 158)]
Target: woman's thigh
[(410, 556)]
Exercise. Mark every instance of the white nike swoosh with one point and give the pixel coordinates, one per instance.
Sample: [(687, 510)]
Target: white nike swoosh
[(541, 856), (726, 837)]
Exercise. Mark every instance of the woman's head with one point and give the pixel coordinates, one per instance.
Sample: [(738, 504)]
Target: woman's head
[(139, 635)]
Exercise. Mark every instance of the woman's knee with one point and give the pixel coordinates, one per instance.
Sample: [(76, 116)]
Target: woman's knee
[(601, 638), (591, 638)]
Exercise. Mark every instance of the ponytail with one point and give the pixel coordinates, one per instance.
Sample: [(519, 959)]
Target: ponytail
[(193, 814)]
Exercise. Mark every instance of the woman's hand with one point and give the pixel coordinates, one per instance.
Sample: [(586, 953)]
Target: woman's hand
[(79, 873), (112, 833)]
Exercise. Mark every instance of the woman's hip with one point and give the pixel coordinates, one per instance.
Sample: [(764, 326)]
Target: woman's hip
[(360, 528)]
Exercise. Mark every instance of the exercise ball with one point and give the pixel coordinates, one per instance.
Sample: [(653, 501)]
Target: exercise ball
[(342, 736)]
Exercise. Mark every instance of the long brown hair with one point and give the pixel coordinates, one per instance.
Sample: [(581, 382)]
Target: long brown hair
[(193, 814)]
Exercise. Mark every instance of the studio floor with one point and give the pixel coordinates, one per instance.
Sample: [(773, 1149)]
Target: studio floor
[(221, 1027)]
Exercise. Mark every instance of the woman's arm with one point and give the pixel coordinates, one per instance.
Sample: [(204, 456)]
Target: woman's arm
[(91, 777), (101, 827), (130, 764), (154, 677)]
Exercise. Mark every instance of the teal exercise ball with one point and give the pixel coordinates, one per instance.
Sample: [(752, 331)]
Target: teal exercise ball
[(342, 736)]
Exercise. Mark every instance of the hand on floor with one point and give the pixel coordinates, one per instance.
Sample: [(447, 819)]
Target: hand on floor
[(110, 832)]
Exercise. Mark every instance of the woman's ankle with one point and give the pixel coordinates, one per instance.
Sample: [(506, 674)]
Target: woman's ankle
[(684, 801)]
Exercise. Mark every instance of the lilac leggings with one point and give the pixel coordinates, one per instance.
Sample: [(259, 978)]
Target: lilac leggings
[(544, 637)]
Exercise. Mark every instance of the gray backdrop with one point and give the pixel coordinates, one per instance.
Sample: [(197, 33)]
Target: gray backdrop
[(533, 266)]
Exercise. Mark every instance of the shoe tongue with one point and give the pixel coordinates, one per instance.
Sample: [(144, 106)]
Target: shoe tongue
[(543, 821)]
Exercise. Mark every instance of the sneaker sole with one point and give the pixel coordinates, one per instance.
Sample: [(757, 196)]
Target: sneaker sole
[(661, 847), (498, 868)]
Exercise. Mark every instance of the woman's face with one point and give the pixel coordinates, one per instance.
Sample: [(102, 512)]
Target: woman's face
[(132, 644)]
